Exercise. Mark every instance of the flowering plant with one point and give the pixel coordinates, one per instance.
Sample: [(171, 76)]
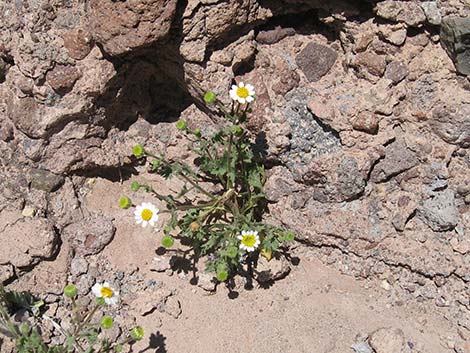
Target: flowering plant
[(82, 335), (226, 224)]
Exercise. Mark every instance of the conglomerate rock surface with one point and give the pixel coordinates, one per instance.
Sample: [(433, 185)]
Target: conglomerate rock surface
[(362, 114)]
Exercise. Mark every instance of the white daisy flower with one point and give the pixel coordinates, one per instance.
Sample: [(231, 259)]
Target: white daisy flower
[(242, 93), (249, 240), (105, 291), (145, 214)]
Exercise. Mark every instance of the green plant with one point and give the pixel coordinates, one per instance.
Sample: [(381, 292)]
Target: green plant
[(83, 336), (226, 223)]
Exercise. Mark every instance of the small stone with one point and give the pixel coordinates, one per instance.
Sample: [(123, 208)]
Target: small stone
[(62, 78), (78, 43), (387, 340), (439, 212), (275, 35), (385, 285), (207, 282), (371, 62), (78, 266), (162, 263), (45, 180), (432, 12), (272, 270), (90, 235), (401, 11), (362, 347), (395, 35), (316, 60), (398, 158), (452, 123), (396, 71), (6, 272), (173, 307), (28, 212), (367, 122)]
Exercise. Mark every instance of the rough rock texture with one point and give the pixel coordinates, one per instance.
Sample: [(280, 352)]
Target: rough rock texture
[(360, 116), (454, 37), (25, 241), (316, 60)]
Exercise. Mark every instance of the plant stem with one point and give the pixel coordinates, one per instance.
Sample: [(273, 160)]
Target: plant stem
[(87, 319)]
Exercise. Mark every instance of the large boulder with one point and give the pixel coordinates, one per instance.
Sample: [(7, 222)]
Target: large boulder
[(455, 32)]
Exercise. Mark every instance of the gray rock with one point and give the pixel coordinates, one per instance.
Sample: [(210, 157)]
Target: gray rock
[(423, 93), (401, 11), (455, 32), (362, 347), (432, 12), (439, 211), (398, 158), (316, 60), (351, 182), (309, 137), (90, 235), (45, 180), (452, 124), (396, 71)]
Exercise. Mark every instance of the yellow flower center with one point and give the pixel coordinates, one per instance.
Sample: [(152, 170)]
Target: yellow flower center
[(147, 214), (107, 292), (242, 92), (249, 240)]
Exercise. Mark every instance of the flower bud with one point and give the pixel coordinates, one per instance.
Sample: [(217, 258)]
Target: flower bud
[(194, 226), (138, 151), (137, 333), (181, 125), (168, 241), (70, 291), (125, 202), (236, 129), (210, 97), (107, 322)]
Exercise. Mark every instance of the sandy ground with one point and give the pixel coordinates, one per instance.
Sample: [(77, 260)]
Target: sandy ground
[(315, 309)]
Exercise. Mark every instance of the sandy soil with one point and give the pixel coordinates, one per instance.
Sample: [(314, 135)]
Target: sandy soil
[(315, 309)]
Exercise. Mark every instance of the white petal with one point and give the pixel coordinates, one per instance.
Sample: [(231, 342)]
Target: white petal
[(138, 220), (96, 290), (241, 84), (249, 87), (249, 99), (234, 88), (144, 224)]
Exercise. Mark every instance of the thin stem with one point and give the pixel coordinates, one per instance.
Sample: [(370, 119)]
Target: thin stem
[(87, 319)]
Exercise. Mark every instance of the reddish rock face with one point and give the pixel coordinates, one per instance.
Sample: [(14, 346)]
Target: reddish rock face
[(62, 78), (78, 43), (123, 26)]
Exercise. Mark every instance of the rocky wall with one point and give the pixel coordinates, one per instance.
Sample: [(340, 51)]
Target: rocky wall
[(362, 115)]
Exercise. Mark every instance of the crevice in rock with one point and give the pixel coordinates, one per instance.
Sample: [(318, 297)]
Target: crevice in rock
[(111, 173)]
